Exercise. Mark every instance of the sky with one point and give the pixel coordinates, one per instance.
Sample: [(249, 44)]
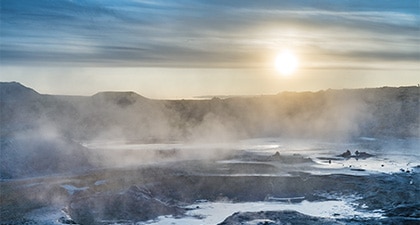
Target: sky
[(186, 48)]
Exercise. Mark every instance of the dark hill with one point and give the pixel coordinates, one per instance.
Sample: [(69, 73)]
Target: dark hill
[(332, 114), (14, 91), (122, 99)]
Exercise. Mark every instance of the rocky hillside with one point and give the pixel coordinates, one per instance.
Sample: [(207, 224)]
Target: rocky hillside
[(35, 127), (334, 114)]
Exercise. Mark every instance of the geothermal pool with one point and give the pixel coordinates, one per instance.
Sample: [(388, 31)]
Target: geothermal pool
[(200, 183)]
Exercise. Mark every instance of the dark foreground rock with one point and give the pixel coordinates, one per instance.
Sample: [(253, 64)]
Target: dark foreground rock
[(274, 218), (357, 155), (132, 195), (33, 154), (276, 157), (396, 195), (291, 217), (135, 204)]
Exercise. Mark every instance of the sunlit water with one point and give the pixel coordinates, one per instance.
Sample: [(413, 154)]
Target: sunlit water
[(216, 212), (389, 156)]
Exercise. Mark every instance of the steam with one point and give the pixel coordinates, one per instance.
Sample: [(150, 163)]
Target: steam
[(62, 135), (62, 121), (40, 151)]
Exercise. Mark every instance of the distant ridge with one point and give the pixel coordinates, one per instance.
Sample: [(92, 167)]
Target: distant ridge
[(120, 98), (113, 94), (12, 91), (331, 114), (18, 90)]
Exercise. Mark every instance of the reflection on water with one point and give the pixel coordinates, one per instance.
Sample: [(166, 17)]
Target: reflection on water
[(216, 212)]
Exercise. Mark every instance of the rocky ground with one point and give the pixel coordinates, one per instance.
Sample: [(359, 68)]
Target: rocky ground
[(293, 217), (140, 194), (48, 162)]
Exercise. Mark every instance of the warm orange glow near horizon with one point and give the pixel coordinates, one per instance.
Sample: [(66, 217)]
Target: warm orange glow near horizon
[(286, 62)]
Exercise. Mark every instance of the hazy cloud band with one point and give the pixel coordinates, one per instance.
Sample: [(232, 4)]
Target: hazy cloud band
[(208, 33)]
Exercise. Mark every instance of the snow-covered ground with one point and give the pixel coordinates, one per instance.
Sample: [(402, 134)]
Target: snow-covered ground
[(388, 157), (216, 212)]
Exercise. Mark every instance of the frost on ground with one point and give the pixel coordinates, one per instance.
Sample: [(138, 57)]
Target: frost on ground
[(252, 185), (72, 189), (216, 212), (118, 157)]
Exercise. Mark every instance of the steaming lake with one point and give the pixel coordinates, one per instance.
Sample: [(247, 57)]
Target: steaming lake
[(389, 156), (216, 212), (398, 156)]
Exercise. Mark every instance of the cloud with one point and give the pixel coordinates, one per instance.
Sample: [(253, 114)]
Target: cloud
[(205, 33)]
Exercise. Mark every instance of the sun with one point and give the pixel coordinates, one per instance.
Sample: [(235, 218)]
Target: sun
[(286, 62)]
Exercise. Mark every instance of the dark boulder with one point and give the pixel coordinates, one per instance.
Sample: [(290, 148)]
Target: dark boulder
[(275, 218), (137, 203), (346, 154), (362, 155)]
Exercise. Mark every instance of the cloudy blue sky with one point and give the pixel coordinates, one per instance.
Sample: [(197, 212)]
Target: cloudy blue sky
[(186, 48)]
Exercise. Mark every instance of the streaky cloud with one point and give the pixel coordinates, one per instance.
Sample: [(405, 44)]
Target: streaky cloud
[(205, 33)]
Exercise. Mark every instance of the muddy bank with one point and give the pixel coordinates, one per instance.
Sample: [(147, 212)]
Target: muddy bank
[(395, 195), (140, 194), (293, 217)]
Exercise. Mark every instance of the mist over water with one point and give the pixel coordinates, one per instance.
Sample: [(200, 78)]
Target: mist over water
[(104, 119), (101, 157), (319, 155)]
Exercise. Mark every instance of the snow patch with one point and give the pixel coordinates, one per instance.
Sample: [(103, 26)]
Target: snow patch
[(100, 182), (72, 189), (216, 212)]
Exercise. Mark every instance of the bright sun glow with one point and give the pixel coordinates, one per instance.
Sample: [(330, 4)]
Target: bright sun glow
[(286, 62)]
